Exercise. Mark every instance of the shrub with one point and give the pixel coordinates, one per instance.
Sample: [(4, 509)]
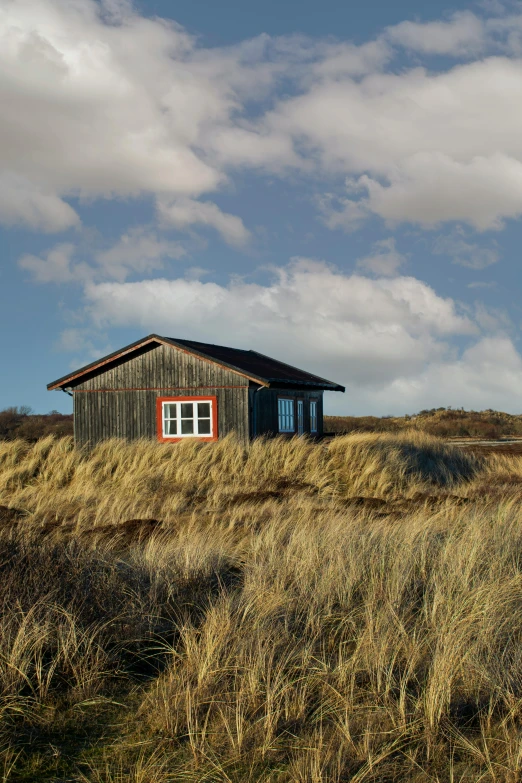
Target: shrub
[(21, 423), (441, 422)]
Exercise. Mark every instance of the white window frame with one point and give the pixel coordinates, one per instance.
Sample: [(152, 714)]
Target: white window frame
[(178, 419), (314, 405), (286, 414)]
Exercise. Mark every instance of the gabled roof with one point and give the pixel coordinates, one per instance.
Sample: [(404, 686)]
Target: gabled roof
[(253, 365)]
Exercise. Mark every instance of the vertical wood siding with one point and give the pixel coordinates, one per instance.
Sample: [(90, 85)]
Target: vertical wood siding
[(121, 402)]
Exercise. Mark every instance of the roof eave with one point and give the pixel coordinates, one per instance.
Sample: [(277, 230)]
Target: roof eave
[(233, 368), (66, 380), (330, 385), (319, 384), (61, 383)]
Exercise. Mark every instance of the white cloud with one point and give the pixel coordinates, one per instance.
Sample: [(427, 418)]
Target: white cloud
[(184, 213), (104, 107), (492, 319), (493, 6), (196, 272), (463, 34), (348, 215), (56, 266), (388, 340), (77, 340), (345, 59), (138, 250), (420, 147), (100, 102), (482, 284), (385, 259), (486, 375), (508, 29), (348, 328), (432, 188), (85, 345), (464, 253), (22, 201)]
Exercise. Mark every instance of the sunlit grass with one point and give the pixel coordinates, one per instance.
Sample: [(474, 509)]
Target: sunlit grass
[(286, 612)]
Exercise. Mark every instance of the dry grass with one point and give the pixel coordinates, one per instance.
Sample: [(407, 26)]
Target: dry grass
[(443, 422), (292, 612)]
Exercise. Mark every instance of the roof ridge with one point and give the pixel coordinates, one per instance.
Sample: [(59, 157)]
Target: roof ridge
[(270, 358), (260, 374), (293, 367), (214, 345)]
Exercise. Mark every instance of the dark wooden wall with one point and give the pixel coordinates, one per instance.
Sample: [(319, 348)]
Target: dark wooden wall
[(265, 419), (121, 401)]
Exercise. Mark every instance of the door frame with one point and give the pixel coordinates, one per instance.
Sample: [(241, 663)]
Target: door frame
[(300, 404)]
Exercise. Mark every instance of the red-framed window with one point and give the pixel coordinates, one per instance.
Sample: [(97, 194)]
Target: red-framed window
[(178, 418)]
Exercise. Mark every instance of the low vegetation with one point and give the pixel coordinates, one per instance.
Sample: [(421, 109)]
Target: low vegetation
[(443, 422), (291, 612), (21, 422)]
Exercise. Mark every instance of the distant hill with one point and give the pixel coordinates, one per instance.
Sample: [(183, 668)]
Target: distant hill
[(445, 422), (21, 422)]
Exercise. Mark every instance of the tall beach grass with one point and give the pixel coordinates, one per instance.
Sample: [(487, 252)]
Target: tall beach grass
[(291, 611)]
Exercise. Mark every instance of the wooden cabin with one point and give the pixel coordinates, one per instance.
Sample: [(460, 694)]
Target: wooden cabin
[(170, 390)]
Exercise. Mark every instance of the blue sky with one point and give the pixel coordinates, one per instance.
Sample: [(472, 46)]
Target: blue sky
[(338, 185)]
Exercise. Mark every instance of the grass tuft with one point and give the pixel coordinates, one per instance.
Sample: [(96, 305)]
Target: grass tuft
[(288, 612)]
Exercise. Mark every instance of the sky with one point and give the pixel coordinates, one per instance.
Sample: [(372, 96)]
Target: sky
[(337, 185)]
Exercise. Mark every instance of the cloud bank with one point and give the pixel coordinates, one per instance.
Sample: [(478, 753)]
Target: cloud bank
[(100, 102), (388, 340)]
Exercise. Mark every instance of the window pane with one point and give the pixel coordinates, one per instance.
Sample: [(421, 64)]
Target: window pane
[(204, 410), (313, 416), (204, 426), (169, 411), (187, 410), (191, 417), (187, 426), (286, 415)]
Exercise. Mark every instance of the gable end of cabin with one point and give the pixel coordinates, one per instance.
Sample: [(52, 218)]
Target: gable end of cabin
[(162, 393)]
